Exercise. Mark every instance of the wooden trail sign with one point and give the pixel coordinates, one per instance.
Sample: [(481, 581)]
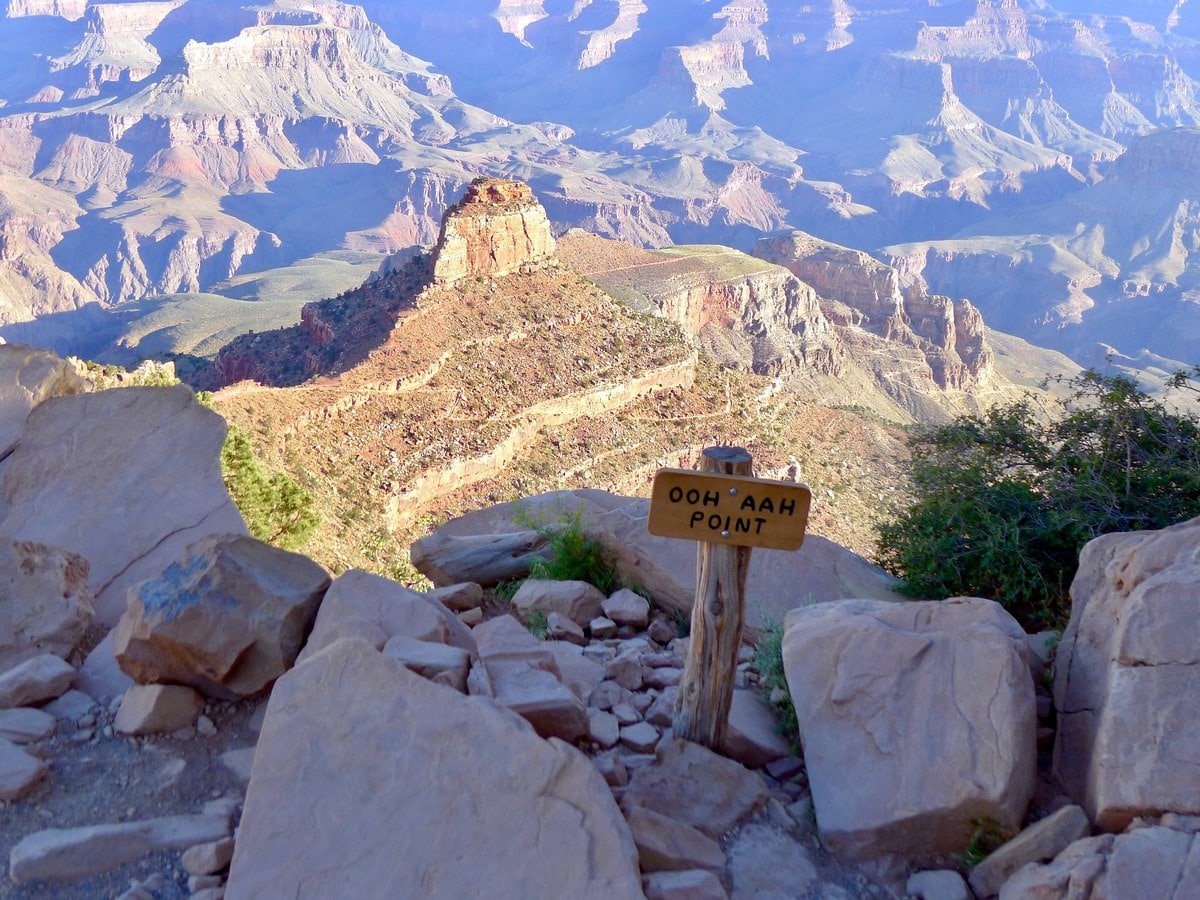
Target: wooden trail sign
[(728, 512), (729, 509)]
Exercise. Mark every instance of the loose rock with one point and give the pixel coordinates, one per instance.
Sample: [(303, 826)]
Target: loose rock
[(227, 619), (41, 678)]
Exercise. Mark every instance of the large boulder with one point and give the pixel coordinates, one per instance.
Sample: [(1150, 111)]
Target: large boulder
[(227, 619), (493, 544), (446, 795), (1127, 684), (917, 720), (45, 601), (28, 376), (147, 460)]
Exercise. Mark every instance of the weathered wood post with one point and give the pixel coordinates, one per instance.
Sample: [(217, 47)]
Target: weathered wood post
[(719, 610), (727, 511)]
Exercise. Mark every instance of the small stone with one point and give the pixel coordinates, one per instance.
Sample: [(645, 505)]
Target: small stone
[(598, 653), (602, 627), (801, 812), (785, 768), (148, 889), (654, 660), (640, 738), (576, 600), (662, 711), (70, 853), (1041, 841), (72, 706), (183, 734), (626, 714), (662, 631), (459, 598), (606, 695), (19, 771), (694, 884), (627, 608), (157, 709), (680, 646), (470, 617), (643, 701), (1045, 706), (661, 678), (208, 858), (203, 882), (24, 725), (603, 728), (431, 660), (83, 735), (614, 771), (752, 737), (205, 726), (40, 678), (942, 884), (665, 844), (625, 670), (564, 629)]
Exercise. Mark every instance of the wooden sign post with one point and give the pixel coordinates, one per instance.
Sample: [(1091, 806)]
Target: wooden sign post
[(729, 512)]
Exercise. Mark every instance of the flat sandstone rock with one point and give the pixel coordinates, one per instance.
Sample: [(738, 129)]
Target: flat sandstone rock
[(449, 795)]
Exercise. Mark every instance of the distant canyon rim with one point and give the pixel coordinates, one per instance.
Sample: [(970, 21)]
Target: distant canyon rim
[(175, 174)]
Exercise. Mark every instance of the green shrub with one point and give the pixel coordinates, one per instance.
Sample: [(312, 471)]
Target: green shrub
[(1007, 500), (276, 508), (538, 625), (767, 661), (571, 554)]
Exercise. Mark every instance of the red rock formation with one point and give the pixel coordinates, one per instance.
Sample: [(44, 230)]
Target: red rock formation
[(497, 228), (859, 291)]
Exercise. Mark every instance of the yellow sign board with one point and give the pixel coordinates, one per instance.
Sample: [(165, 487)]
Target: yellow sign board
[(730, 509)]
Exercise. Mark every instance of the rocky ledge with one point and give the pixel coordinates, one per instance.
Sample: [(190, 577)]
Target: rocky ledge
[(497, 228)]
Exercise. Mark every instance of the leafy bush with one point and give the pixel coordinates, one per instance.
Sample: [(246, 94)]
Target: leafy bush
[(1007, 500), (571, 554)]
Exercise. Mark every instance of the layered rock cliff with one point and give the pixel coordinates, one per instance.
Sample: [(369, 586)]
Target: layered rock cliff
[(858, 291), (740, 311), (497, 228)]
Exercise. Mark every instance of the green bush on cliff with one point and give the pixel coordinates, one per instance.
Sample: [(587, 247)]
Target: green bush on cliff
[(277, 509), (1007, 500)]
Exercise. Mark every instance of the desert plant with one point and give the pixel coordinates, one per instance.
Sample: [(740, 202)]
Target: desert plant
[(276, 508), (538, 625), (1007, 500), (987, 836), (767, 661), (571, 553)]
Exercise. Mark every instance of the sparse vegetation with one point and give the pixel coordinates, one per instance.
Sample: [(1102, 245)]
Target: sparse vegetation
[(772, 681), (538, 625), (987, 836), (572, 554), (277, 509), (1007, 500)]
